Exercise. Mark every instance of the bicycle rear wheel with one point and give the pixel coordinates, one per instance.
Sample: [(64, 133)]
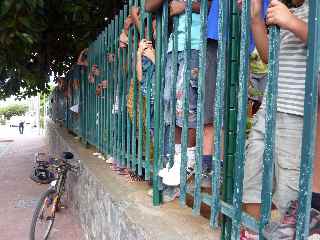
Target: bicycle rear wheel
[(43, 216)]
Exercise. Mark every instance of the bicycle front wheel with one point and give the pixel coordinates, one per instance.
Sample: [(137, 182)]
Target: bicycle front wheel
[(43, 216)]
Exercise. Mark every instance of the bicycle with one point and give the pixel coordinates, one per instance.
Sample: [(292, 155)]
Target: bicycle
[(49, 203)]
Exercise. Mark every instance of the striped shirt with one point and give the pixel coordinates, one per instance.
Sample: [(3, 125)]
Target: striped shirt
[(292, 68)]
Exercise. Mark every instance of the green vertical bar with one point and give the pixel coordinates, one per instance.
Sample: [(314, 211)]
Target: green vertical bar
[(174, 74), (271, 111), (81, 104), (123, 101), (108, 92), (89, 115), (85, 104), (115, 89), (148, 106), (242, 118), (112, 90), (104, 99), (119, 92), (310, 121), (99, 100), (140, 137), (200, 104), (163, 65), (231, 114), (104, 93), (129, 132), (224, 15), (156, 193), (134, 118), (108, 99), (186, 83), (87, 98), (96, 129)]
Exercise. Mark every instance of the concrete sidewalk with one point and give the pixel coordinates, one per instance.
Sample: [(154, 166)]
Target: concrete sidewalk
[(19, 194)]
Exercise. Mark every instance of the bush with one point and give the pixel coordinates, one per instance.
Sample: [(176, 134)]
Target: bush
[(13, 110)]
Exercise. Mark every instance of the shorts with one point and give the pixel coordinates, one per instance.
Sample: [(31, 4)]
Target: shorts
[(210, 83), (286, 163), (258, 82), (193, 89)]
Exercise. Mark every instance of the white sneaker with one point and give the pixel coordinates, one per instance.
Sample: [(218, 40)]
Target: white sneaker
[(164, 171), (172, 176), (191, 157), (109, 160)]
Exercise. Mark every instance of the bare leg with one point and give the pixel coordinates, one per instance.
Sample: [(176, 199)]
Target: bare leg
[(208, 133), (316, 173), (192, 136), (178, 135), (253, 209)]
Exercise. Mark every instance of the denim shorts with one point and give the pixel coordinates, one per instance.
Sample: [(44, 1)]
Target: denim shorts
[(193, 89)]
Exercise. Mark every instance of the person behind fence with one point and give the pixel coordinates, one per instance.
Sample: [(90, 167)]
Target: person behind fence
[(290, 110), (171, 176), (21, 127), (210, 88)]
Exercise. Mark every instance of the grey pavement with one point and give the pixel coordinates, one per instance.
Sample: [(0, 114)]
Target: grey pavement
[(19, 194)]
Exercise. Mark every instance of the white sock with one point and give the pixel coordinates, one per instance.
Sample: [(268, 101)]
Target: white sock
[(191, 157), (177, 148)]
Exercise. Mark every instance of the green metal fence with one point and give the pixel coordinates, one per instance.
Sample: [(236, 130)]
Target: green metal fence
[(116, 125)]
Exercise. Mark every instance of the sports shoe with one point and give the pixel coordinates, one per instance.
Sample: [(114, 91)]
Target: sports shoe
[(169, 194), (109, 160), (177, 157), (286, 228), (206, 179), (171, 177), (164, 171), (248, 235)]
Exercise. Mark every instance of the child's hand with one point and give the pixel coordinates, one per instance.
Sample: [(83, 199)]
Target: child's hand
[(134, 11), (123, 39), (256, 8), (150, 53), (127, 23), (279, 14), (176, 8), (141, 47)]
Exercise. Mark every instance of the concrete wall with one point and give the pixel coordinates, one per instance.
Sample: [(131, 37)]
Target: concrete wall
[(110, 208)]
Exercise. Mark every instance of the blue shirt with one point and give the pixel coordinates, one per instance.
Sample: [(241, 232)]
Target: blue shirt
[(214, 17), (195, 32)]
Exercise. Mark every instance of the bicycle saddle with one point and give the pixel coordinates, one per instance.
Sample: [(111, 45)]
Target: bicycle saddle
[(67, 155)]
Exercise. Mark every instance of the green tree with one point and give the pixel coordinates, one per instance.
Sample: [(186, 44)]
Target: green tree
[(13, 110), (41, 38)]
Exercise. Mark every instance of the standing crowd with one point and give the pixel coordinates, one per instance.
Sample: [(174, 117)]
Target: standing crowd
[(292, 18)]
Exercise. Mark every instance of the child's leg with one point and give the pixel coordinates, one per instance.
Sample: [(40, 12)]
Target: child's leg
[(316, 173), (288, 159), (253, 170), (193, 97), (209, 97)]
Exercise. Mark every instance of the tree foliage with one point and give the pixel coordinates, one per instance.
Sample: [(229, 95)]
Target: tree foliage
[(39, 38), (13, 110)]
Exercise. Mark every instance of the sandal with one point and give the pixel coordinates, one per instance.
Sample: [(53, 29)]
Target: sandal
[(123, 171)]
